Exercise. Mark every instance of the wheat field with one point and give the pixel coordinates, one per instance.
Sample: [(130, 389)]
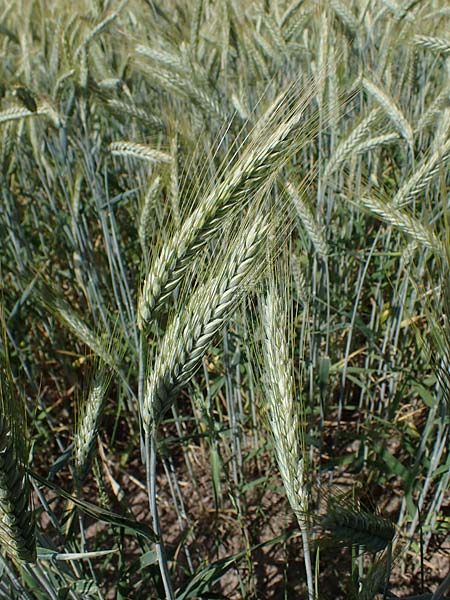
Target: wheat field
[(224, 299)]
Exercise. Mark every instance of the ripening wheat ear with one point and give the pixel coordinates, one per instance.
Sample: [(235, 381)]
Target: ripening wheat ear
[(422, 176), (404, 222), (17, 533), (345, 148), (15, 113), (189, 334), (283, 415), (182, 78), (436, 44), (88, 423), (359, 527), (16, 518), (309, 223), (56, 305), (436, 344), (277, 140), (393, 111), (142, 151)]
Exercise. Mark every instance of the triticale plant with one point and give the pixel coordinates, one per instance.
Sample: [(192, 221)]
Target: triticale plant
[(17, 528), (259, 163), (403, 222), (16, 517), (359, 527), (191, 331), (283, 415), (88, 423)]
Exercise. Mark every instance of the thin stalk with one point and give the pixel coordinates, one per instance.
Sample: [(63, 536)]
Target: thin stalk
[(35, 572), (351, 328), (307, 559), (151, 441), (234, 430), (178, 503), (445, 585)]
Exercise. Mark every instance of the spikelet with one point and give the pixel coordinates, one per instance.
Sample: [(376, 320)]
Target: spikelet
[(99, 28), (284, 412), (16, 518), (283, 416), (299, 280), (346, 16), (139, 151), (192, 329), (375, 142), (172, 73), (437, 44), (259, 163), (346, 146), (167, 59), (15, 113), (145, 214), (174, 183), (57, 305), (45, 107), (195, 26), (124, 108), (425, 171)]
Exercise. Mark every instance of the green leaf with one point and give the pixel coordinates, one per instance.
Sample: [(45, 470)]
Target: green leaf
[(251, 484), (428, 397), (144, 561), (97, 512), (440, 470), (394, 466)]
